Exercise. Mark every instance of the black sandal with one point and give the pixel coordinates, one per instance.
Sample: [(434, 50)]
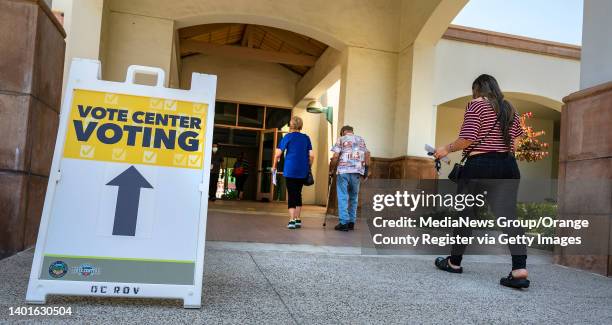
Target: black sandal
[(513, 282), (442, 264)]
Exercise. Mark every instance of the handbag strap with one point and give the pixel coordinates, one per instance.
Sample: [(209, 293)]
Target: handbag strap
[(467, 153)]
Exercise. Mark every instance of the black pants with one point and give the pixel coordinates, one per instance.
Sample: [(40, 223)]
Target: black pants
[(240, 181), (498, 175), (212, 184), (294, 191)]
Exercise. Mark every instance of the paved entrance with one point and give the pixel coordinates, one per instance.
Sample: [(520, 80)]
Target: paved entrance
[(249, 221), (247, 283)]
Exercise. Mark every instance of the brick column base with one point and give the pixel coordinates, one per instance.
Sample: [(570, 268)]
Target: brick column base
[(31, 68), (586, 155)]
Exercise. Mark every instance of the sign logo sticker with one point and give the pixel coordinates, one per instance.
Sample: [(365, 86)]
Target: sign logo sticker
[(85, 270), (135, 130), (58, 269)]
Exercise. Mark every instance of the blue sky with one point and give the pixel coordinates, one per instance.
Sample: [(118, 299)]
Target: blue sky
[(553, 20)]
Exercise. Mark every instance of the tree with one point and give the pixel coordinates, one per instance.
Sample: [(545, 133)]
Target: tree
[(529, 148)]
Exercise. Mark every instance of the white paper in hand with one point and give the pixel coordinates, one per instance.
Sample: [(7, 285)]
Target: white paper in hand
[(274, 177), (431, 149)]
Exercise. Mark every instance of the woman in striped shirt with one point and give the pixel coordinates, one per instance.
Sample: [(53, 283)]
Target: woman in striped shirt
[(487, 137)]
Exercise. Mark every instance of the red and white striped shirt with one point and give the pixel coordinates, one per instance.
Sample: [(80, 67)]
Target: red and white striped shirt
[(479, 118)]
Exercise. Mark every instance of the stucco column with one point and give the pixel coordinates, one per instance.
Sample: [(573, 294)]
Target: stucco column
[(136, 39), (367, 96), (595, 67), (82, 41), (415, 114)]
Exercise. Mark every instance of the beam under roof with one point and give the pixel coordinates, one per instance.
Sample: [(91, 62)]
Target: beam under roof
[(240, 52), (292, 39), (193, 31)]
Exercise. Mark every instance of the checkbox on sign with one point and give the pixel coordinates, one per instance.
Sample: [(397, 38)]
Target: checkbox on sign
[(88, 119), (87, 151), (149, 157), (195, 160), (156, 103), (199, 108), (119, 154), (170, 105), (180, 159), (111, 99)]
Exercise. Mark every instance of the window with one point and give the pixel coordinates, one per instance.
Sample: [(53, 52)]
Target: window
[(251, 116), (225, 113), (277, 118)]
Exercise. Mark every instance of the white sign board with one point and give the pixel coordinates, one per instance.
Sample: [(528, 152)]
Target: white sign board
[(126, 204)]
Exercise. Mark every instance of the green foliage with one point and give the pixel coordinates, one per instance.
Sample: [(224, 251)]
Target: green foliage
[(532, 211), (230, 195)]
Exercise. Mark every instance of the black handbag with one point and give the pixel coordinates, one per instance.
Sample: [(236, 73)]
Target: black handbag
[(309, 180), (455, 174)]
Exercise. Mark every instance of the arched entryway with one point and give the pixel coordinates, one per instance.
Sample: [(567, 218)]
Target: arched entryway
[(257, 69), (546, 117)]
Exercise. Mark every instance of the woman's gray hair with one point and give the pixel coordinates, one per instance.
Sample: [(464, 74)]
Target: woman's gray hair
[(296, 123)]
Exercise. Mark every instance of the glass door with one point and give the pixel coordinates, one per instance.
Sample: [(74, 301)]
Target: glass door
[(267, 145)]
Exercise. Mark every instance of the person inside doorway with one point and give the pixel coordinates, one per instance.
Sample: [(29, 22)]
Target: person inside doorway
[(350, 161), (298, 160), (490, 127), (215, 166), (241, 173)]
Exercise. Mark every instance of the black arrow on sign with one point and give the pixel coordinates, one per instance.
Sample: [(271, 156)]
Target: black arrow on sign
[(129, 182)]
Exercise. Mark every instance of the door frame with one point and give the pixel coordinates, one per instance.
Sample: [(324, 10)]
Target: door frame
[(260, 196)]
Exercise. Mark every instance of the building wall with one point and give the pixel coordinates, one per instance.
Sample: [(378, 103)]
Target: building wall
[(459, 63), (596, 45), (367, 97), (86, 17), (135, 39), (244, 80), (370, 24)]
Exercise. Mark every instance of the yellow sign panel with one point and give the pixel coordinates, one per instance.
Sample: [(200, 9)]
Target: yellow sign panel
[(136, 130)]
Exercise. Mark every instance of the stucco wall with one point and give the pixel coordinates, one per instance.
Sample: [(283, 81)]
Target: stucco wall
[(459, 63), (367, 97), (86, 18), (311, 128), (135, 39), (370, 24), (244, 80), (596, 45)]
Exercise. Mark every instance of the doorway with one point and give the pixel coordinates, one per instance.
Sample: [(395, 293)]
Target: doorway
[(253, 131), (270, 187)]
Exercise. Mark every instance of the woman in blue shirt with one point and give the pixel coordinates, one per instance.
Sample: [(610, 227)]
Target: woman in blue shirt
[(298, 159)]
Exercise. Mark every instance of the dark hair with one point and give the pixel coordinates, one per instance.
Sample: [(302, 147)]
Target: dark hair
[(346, 128), (486, 86)]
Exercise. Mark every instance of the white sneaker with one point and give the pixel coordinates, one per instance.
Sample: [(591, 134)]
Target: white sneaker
[(291, 225)]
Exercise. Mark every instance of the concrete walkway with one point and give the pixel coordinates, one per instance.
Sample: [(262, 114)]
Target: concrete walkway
[(304, 284)]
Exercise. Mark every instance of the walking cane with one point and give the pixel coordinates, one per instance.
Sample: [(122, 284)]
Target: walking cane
[(329, 181)]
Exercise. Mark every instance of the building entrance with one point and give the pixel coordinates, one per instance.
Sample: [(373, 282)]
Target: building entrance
[(251, 132)]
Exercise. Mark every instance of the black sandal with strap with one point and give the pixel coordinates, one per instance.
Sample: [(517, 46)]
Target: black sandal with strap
[(442, 264), (513, 282)]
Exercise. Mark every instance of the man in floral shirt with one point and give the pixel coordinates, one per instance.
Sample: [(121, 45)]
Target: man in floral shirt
[(351, 157)]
